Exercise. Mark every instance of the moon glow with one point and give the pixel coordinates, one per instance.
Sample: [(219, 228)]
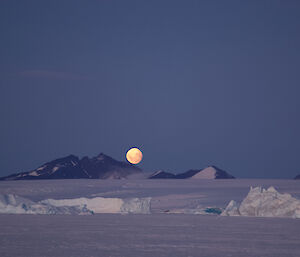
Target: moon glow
[(134, 155)]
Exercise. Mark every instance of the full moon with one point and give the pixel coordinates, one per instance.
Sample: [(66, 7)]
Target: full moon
[(134, 155)]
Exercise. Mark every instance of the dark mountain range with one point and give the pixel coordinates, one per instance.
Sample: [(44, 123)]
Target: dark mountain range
[(105, 167), (71, 167), (297, 177), (211, 172)]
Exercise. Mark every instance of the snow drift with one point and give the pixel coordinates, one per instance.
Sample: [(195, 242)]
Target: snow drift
[(14, 204), (265, 203)]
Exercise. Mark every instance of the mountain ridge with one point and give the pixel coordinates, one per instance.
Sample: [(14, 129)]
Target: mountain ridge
[(103, 166), (210, 172), (71, 167)]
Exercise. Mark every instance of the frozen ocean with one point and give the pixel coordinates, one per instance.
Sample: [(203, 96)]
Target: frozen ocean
[(140, 217)]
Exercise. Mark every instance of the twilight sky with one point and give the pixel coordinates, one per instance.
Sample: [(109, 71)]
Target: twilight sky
[(191, 83)]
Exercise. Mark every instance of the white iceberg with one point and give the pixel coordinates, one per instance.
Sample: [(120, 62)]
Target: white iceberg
[(265, 203), (13, 204), (136, 205), (232, 209), (96, 205)]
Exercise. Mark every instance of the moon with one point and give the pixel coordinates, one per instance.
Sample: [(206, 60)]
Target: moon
[(134, 155)]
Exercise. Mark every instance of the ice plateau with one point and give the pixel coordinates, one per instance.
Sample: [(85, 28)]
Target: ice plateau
[(262, 202)]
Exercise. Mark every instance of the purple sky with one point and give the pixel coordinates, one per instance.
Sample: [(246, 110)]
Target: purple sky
[(191, 83)]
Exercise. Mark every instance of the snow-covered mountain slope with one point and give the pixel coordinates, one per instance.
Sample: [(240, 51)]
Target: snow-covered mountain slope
[(211, 172), (265, 203), (71, 167), (207, 173), (161, 174)]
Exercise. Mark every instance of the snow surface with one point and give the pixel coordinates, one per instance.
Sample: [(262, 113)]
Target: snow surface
[(156, 173), (55, 168), (207, 173), (33, 173), (86, 173), (73, 163), (265, 203), (159, 235)]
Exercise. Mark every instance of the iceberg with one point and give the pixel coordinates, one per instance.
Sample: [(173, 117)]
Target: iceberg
[(262, 202), (232, 209), (136, 205), (13, 204), (95, 205)]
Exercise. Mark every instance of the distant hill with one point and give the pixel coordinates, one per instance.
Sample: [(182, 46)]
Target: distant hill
[(297, 177), (71, 167), (211, 172)]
